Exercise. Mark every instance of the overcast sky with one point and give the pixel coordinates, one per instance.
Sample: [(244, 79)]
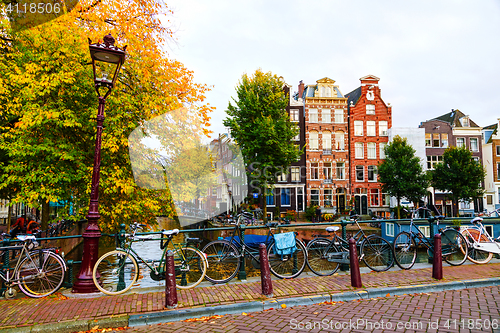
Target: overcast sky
[(430, 56)]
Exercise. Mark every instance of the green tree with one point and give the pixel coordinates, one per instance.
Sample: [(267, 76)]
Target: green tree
[(401, 174), (459, 174), (259, 123)]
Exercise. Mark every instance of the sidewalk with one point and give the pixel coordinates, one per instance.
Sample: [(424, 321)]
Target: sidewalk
[(65, 312)]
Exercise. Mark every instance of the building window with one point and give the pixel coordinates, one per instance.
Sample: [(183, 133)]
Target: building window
[(498, 150), (433, 160), (426, 230), (282, 177), (285, 197), (444, 140), (371, 148), (460, 142), (340, 170), (386, 199), (270, 198), (427, 139), (314, 197), (370, 128), (327, 171), (389, 229), (370, 109), (328, 198), (465, 121), (435, 139), (294, 115), (473, 144), (313, 140), (326, 116), (382, 150), (339, 116), (372, 173), (382, 128), (358, 127), (295, 174), (360, 173), (359, 150), (313, 115), (374, 197), (314, 171), (498, 172), (489, 199), (339, 141), (327, 142)]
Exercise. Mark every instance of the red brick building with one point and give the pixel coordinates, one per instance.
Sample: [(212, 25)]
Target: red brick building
[(327, 162), (369, 119)]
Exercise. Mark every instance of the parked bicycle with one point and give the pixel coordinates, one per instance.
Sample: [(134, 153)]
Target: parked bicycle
[(37, 272), (324, 255), (481, 244), (224, 255), (454, 248), (117, 271)]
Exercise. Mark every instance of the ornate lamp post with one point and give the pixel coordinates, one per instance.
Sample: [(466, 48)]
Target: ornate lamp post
[(107, 60)]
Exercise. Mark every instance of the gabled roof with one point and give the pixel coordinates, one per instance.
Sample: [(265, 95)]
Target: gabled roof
[(370, 77), (489, 131), (453, 118), (353, 96)]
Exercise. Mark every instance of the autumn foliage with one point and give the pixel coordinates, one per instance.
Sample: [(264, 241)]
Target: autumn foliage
[(48, 106)]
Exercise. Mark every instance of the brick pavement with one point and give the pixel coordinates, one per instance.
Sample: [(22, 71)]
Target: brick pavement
[(466, 310), (28, 312)]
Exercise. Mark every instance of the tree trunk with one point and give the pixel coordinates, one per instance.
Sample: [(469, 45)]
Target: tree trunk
[(9, 217), (45, 215), (399, 208)]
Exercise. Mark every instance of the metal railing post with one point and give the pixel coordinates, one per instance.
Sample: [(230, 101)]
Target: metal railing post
[(242, 274)]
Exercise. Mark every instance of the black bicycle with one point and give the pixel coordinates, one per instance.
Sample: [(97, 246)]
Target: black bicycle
[(224, 255), (454, 247), (324, 255)]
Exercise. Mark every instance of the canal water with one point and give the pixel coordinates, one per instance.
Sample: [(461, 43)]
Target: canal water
[(150, 249)]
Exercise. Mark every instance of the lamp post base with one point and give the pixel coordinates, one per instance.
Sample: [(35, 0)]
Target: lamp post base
[(84, 283)]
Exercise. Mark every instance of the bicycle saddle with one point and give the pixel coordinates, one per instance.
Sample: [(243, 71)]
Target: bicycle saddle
[(476, 220), (25, 237), (332, 229), (170, 232)]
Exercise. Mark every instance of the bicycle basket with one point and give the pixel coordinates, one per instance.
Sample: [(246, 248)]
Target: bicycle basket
[(284, 243)]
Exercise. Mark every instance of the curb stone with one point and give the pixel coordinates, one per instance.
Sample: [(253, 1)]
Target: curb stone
[(178, 315), (238, 308)]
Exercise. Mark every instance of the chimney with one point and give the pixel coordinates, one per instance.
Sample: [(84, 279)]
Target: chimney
[(301, 88)]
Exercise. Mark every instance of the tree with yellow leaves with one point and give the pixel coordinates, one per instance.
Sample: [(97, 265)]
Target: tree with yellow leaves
[(48, 102)]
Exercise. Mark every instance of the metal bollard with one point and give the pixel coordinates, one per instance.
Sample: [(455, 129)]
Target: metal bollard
[(242, 274), (343, 223), (265, 272), (170, 287), (437, 263), (353, 258)]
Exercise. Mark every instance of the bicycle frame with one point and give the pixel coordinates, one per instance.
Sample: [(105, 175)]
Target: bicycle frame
[(242, 246), (490, 246)]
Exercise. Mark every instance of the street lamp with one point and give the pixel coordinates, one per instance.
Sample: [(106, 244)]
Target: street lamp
[(107, 61)]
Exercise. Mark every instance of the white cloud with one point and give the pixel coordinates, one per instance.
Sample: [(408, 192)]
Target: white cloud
[(431, 56)]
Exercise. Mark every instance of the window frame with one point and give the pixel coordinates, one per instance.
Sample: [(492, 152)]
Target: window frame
[(371, 147), (383, 124), (370, 108), (313, 112), (371, 128), (358, 128), (360, 171), (329, 113), (359, 150)]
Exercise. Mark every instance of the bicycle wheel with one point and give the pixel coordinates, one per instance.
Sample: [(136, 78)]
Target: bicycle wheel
[(115, 272), (223, 261), (41, 273), (318, 251), (405, 250), (476, 256), (454, 247), (377, 253), (190, 267), (287, 266)]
